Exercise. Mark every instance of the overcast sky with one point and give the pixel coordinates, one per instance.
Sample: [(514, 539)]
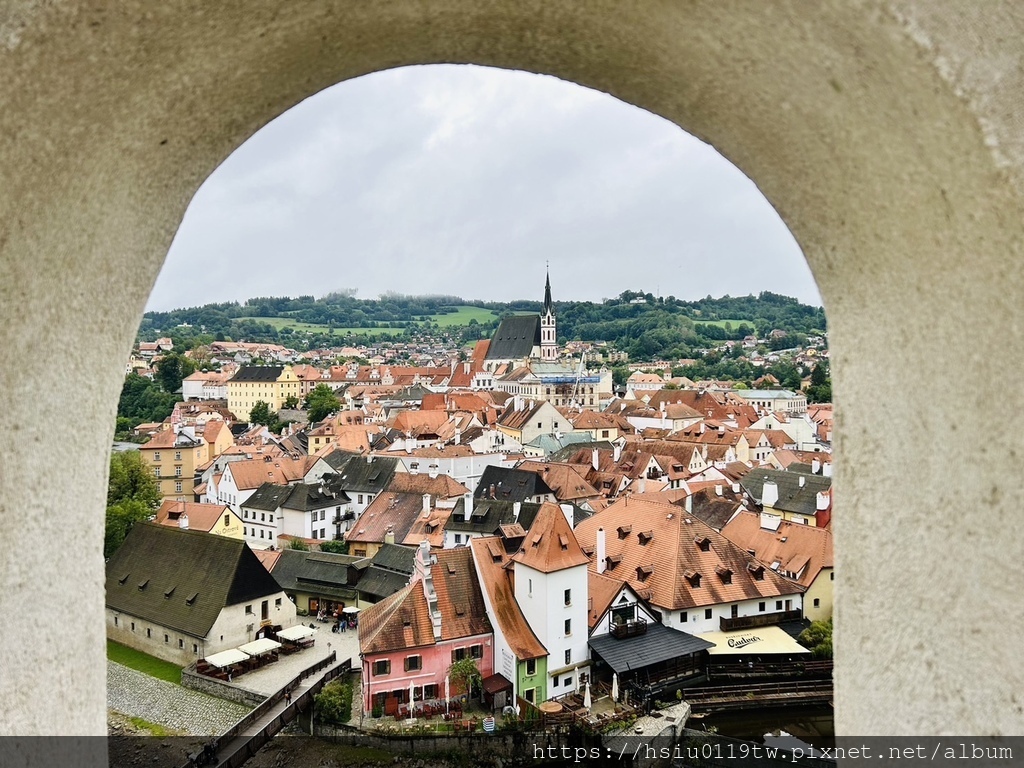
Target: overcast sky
[(466, 180)]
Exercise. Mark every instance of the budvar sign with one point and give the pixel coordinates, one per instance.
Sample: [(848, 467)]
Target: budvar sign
[(740, 642)]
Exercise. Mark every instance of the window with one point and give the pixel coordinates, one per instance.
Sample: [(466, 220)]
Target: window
[(568, 597), (195, 648), (778, 605), (554, 681), (707, 613), (360, 497), (760, 607), (382, 667), (413, 663), (261, 533), (817, 602), (682, 617), (531, 667), (832, 576), (323, 512), (115, 621), (177, 470), (227, 520), (568, 681), (271, 519), (177, 487), (277, 603), (540, 425), (156, 456), (458, 538), (530, 587), (430, 691), (167, 638), (248, 610), (133, 626), (734, 611), (458, 654), (156, 471), (568, 627), (177, 455), (531, 695), (149, 633), (476, 651), (181, 643), (568, 656)]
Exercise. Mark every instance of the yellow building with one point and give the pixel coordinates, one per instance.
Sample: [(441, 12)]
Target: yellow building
[(172, 456), (217, 519), (271, 384)]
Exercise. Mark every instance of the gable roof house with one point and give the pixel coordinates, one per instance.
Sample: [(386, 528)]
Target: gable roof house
[(388, 571), (316, 580), (472, 518), (410, 639), (699, 580), (517, 338), (182, 595), (795, 496), (504, 484), (217, 519)]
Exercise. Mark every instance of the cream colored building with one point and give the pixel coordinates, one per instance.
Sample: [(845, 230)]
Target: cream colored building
[(271, 384), (172, 456)]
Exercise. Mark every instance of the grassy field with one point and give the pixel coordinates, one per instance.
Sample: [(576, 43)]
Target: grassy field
[(142, 662), (721, 323), (461, 317)]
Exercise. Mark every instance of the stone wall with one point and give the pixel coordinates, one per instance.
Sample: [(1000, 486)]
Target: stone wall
[(219, 688)]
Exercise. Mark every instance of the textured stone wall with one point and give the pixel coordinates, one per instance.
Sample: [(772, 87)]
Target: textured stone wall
[(887, 134)]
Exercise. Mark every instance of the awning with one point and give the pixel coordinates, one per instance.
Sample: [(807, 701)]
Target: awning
[(656, 645), (227, 658), (496, 684), (259, 647), (760, 641), (298, 632)]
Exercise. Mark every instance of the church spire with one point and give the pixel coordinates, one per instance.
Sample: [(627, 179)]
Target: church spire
[(548, 308)]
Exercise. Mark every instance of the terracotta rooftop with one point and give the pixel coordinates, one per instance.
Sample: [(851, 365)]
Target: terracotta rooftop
[(201, 517), (654, 547), (550, 544), (794, 548), (490, 559)]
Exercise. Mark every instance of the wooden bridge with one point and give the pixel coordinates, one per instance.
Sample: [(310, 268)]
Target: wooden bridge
[(726, 698)]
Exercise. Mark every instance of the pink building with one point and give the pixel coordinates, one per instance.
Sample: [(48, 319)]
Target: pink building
[(410, 639)]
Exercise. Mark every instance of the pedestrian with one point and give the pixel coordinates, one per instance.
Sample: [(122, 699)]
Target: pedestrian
[(288, 698), (343, 624)]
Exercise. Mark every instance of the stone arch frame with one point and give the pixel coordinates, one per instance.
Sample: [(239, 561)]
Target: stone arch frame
[(886, 133)]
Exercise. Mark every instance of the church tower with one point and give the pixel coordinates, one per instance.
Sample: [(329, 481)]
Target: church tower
[(548, 344)]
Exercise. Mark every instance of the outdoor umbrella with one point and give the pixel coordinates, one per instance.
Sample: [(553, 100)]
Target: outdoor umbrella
[(586, 696), (576, 677), (410, 696), (447, 693), (615, 686)]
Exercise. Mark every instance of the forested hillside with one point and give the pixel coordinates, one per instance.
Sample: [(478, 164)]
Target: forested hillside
[(641, 324)]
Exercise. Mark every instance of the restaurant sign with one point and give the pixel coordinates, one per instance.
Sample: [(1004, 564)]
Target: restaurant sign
[(740, 642)]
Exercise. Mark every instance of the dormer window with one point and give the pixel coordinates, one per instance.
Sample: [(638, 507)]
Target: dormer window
[(757, 571), (612, 561), (563, 540), (725, 574), (625, 530), (703, 543), (644, 537), (692, 577), (535, 541), (643, 572), (142, 584)]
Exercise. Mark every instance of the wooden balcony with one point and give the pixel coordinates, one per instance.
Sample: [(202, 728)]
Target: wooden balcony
[(633, 628), (758, 620)]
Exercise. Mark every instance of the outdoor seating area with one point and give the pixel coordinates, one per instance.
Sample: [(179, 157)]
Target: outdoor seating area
[(227, 665)]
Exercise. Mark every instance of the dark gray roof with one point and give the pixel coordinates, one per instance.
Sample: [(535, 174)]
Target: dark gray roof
[(389, 571), (657, 644), (510, 484), (321, 573), (306, 497), (569, 451), (488, 514), (258, 373), (361, 476), (412, 393), (792, 496), (182, 579), (515, 338), (268, 497)]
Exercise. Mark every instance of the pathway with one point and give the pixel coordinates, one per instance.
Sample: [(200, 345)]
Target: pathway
[(136, 694)]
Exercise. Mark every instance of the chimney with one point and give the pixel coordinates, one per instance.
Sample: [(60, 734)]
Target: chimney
[(467, 506), (815, 467), (769, 494), (567, 511), (433, 472), (414, 468), (826, 469), (688, 504), (595, 461), (369, 458), (718, 490), (602, 561), (426, 504), (458, 436), (616, 453), (802, 481), (389, 535), (517, 507), (721, 430), (641, 485), (823, 500), (183, 522), (702, 427), (735, 487)]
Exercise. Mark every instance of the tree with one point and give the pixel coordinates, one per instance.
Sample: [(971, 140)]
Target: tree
[(339, 547), (132, 496), (291, 402), (818, 637), (334, 703), (299, 544), (131, 480), (171, 369), (462, 674), (321, 403), (261, 414)]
